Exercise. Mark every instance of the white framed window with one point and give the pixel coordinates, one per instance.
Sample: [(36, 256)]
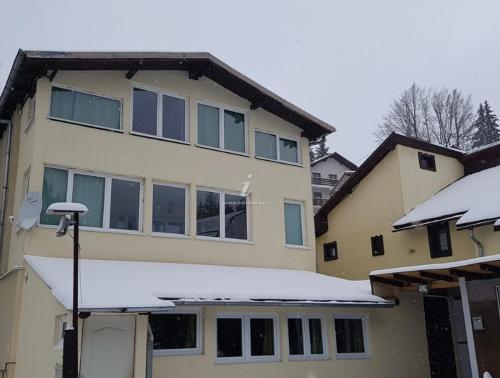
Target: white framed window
[(222, 215), (274, 147), (351, 335), (222, 128), (159, 114), (170, 209), (294, 223), (85, 108), (114, 202), (245, 338), (307, 337), (177, 333)]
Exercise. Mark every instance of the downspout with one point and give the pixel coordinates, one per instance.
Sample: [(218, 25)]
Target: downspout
[(5, 186), (476, 241)]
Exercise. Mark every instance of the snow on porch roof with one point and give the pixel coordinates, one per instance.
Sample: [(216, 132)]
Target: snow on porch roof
[(473, 199), (153, 286)]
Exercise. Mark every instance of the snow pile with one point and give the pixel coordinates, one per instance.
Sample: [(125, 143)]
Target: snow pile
[(108, 284), (473, 199)]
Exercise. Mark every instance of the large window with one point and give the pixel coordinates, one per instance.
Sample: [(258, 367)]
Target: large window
[(170, 209), (307, 337), (246, 338), (113, 202), (221, 128), (221, 215), (273, 147), (439, 239), (294, 226), (85, 108), (159, 114), (176, 333), (351, 336)]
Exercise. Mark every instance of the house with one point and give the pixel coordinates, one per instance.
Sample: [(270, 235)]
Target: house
[(198, 250), (328, 173), (420, 218)]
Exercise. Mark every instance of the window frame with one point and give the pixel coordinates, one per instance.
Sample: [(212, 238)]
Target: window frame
[(306, 340), (159, 112), (221, 109), (333, 244), (373, 242), (278, 155), (71, 88), (246, 338), (187, 193), (222, 219), (422, 156), (431, 228), (304, 244), (108, 179), (366, 337), (199, 335)]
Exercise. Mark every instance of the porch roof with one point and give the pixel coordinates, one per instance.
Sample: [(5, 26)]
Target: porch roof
[(134, 286)]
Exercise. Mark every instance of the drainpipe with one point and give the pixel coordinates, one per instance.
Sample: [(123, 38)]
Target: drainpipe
[(477, 242), (5, 186)]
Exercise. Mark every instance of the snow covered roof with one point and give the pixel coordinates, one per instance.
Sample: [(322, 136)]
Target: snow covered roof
[(153, 286), (473, 199)]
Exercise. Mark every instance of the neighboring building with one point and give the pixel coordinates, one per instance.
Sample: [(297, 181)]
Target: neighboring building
[(328, 173), (198, 253), (422, 218)]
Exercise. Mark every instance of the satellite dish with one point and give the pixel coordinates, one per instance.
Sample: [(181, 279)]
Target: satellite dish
[(30, 210)]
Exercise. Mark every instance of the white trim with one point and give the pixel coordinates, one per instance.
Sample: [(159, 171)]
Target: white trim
[(468, 328), (304, 244), (187, 191), (199, 335), (246, 338), (278, 154), (306, 341), (366, 337)]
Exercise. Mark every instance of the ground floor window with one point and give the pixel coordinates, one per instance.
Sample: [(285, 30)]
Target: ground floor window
[(176, 333), (247, 338), (307, 337), (351, 336)]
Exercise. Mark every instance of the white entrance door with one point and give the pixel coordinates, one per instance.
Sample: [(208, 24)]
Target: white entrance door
[(108, 347)]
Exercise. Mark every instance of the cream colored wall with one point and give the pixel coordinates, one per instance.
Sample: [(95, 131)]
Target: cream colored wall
[(397, 345), (73, 146)]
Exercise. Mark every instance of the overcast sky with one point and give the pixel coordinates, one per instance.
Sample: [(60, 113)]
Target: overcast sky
[(344, 60)]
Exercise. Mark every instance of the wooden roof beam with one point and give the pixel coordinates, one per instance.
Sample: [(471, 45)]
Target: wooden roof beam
[(386, 281), (437, 277), (468, 275), (410, 279), (490, 268)]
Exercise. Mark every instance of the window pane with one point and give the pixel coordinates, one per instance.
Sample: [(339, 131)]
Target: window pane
[(173, 331), (265, 145), (55, 185), (89, 190), (144, 118), (293, 224), (262, 337), (316, 336), (124, 213), (288, 150), (349, 334), (174, 115), (208, 126), (236, 216), (169, 209), (208, 213), (229, 337), (234, 131), (295, 337), (62, 103), (95, 110)]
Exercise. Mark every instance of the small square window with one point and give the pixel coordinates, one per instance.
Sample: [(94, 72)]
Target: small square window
[(330, 251), (427, 161), (439, 239), (332, 176), (377, 245)]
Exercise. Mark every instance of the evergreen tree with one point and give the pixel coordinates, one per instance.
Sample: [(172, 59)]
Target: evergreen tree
[(312, 155), (486, 125), (322, 149)]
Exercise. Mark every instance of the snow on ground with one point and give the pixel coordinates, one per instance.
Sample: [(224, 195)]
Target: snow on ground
[(108, 284)]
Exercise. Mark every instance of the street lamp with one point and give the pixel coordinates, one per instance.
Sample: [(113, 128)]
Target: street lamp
[(70, 352)]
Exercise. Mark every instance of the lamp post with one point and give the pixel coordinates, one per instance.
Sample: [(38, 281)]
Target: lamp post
[(70, 351)]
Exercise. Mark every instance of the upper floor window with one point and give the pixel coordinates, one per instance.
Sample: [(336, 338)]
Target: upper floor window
[(377, 245), (170, 206), (221, 128), (332, 176), (439, 239), (159, 114), (273, 147), (427, 161), (113, 202), (85, 108), (351, 336), (316, 174), (294, 223)]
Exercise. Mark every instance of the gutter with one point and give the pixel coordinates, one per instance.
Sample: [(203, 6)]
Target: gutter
[(5, 187), (476, 241)]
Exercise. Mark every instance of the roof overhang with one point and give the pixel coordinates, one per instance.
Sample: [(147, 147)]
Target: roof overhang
[(28, 66)]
